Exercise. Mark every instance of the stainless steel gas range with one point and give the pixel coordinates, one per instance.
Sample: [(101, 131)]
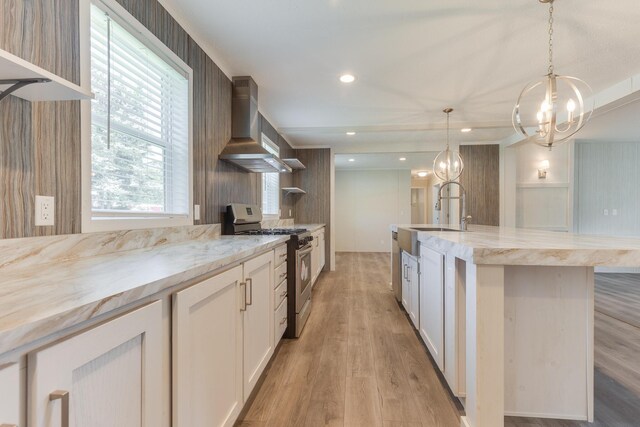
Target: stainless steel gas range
[(241, 219)]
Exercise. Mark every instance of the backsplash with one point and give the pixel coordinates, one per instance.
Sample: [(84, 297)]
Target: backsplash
[(31, 251), (275, 223)]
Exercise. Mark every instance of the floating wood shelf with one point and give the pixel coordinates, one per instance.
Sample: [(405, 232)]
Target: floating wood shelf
[(34, 83), (294, 163), (293, 190)]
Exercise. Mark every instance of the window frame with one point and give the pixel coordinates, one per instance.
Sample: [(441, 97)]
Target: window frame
[(266, 141), (128, 220)]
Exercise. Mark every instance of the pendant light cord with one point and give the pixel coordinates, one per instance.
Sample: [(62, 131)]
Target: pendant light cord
[(448, 130), (551, 37)]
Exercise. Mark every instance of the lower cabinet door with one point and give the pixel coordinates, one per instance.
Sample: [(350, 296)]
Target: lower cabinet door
[(258, 319), (406, 294), (280, 321), (108, 376), (207, 352), (432, 303), (11, 391), (414, 302)]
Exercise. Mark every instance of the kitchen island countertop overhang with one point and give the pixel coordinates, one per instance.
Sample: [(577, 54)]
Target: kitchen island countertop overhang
[(515, 246)]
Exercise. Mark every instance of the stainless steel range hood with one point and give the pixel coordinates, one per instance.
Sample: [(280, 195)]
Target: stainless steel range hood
[(245, 148)]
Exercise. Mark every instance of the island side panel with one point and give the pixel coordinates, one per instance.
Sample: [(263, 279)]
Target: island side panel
[(484, 346), (549, 323)]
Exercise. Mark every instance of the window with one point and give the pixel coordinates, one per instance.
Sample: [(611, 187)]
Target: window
[(270, 183), (140, 123)]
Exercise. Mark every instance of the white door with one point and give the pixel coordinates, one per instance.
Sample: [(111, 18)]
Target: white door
[(258, 319), (414, 284), (207, 352), (108, 376), (406, 294), (432, 303), (11, 391)]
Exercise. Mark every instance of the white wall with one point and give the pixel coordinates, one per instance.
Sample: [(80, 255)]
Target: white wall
[(530, 202), (367, 202)]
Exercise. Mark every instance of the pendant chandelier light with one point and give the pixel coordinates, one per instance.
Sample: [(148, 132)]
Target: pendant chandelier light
[(448, 164), (556, 106)]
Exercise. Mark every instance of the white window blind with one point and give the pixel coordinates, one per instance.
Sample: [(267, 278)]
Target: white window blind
[(139, 126), (270, 183)]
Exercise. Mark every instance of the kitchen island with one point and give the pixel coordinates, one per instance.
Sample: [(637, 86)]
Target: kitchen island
[(515, 332)]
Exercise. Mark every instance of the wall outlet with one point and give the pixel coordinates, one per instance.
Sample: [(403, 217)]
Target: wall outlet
[(45, 211), (289, 213), (606, 212), (614, 212), (196, 212)]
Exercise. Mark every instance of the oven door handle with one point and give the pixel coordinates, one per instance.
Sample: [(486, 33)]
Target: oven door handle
[(304, 252)]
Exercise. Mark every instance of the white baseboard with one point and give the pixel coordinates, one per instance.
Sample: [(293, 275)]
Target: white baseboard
[(547, 416), (464, 422)]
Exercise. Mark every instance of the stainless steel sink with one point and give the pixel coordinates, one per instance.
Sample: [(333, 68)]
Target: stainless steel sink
[(436, 229)]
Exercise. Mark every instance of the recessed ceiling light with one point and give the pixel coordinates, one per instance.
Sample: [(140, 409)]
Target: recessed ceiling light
[(423, 174), (351, 133), (465, 130), (352, 160), (347, 78), (402, 159)]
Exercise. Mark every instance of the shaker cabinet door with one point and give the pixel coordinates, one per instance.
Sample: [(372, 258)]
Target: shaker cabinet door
[(207, 352), (108, 376), (258, 318)]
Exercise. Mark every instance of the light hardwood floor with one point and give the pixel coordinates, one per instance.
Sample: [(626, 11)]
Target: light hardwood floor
[(359, 362)]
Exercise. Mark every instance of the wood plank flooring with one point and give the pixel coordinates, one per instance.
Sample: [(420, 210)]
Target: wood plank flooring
[(359, 362)]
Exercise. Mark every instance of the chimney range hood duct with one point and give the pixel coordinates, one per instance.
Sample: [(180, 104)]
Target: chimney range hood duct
[(245, 147)]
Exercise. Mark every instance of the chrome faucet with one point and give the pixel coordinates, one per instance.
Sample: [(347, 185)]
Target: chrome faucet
[(464, 219)]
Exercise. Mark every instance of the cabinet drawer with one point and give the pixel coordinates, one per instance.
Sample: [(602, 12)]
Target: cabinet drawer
[(281, 320), (280, 293), (281, 254), (280, 274)]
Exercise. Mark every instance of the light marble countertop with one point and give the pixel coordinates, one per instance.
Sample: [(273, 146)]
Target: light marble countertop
[(39, 300), (518, 246)]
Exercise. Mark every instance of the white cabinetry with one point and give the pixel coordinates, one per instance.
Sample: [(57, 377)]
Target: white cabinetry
[(207, 351), (258, 318), (411, 288), (406, 295), (280, 295), (108, 376), (432, 303), (11, 391), (317, 254), (414, 290)]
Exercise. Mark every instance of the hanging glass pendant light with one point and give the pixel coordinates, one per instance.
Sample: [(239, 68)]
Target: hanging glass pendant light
[(556, 107), (448, 164)]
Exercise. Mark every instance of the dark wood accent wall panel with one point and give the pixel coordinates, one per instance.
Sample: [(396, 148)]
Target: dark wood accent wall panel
[(481, 179), (315, 206), (40, 141)]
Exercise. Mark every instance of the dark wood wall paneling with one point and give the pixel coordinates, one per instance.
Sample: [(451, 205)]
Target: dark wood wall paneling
[(40, 141), (315, 206), (481, 179), (286, 179)]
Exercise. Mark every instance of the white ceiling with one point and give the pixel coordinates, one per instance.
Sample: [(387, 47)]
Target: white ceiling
[(412, 58), (414, 162)]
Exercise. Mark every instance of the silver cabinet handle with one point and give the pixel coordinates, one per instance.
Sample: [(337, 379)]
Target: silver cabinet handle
[(283, 274), (283, 321), (282, 295), (250, 284), (243, 287), (284, 255), (64, 397)]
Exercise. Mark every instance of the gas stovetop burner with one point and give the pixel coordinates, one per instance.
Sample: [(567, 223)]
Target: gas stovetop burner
[(276, 231)]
